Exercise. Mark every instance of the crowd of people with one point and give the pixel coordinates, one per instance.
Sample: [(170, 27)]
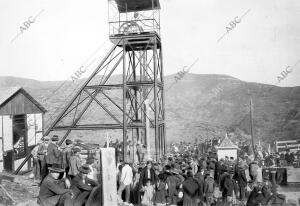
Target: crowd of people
[(63, 176), (187, 175), (190, 178)]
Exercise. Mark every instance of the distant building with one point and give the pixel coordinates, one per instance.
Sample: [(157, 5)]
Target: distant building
[(227, 148), (21, 126)]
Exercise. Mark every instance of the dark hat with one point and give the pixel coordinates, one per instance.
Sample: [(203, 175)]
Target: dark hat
[(84, 169), (90, 161), (76, 149), (56, 169), (189, 173), (213, 160), (54, 138), (68, 141)]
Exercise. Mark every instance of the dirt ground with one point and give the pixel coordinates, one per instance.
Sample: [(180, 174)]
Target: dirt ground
[(24, 192)]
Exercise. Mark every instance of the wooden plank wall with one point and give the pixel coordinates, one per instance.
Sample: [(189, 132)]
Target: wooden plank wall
[(19, 104)]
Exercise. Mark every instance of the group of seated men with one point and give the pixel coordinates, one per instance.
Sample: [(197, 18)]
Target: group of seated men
[(56, 189)]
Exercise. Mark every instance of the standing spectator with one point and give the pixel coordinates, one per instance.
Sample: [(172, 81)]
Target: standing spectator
[(287, 157), (173, 182), (54, 154), (40, 159), (292, 158), (230, 188), (125, 182), (75, 163), (190, 190), (242, 182), (148, 173), (194, 165), (143, 152), (139, 151), (200, 176), (161, 192), (253, 170), (67, 153), (209, 188)]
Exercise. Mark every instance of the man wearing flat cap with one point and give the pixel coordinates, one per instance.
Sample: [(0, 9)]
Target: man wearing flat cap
[(54, 154), (41, 157), (53, 190), (82, 186)]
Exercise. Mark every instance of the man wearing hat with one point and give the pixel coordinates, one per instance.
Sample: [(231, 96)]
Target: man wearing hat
[(148, 173), (53, 190), (54, 154), (74, 163), (230, 188), (173, 182), (242, 181), (209, 189), (41, 157), (82, 186), (67, 153)]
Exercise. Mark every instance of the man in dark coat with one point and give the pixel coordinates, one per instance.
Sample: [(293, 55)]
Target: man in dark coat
[(54, 155), (242, 181), (173, 182), (147, 173), (190, 190), (82, 186), (209, 188), (200, 176), (230, 188), (53, 191), (253, 197)]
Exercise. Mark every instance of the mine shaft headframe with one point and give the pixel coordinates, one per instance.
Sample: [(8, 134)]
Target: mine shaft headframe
[(129, 17)]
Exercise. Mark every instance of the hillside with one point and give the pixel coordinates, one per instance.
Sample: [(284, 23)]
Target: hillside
[(198, 106)]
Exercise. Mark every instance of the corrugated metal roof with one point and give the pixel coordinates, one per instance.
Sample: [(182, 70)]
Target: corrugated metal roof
[(7, 92)]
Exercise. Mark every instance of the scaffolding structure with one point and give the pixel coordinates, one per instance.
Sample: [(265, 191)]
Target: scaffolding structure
[(127, 87)]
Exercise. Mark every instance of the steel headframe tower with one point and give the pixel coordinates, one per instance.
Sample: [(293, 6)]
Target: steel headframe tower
[(134, 25), (125, 93)]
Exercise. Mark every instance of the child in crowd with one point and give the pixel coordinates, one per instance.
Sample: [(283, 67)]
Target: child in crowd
[(147, 199), (93, 171)]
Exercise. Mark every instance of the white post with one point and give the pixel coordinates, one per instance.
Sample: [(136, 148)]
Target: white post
[(107, 140)]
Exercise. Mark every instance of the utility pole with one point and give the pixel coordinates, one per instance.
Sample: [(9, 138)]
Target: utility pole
[(252, 132)]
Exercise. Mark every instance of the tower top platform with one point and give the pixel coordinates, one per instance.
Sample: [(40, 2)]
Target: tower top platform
[(144, 40), (125, 6)]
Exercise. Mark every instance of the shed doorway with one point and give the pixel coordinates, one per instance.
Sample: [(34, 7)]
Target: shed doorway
[(19, 136)]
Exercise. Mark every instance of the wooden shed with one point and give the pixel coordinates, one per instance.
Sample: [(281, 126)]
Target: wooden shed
[(21, 126)]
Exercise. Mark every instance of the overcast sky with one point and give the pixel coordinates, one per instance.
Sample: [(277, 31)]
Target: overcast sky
[(67, 32)]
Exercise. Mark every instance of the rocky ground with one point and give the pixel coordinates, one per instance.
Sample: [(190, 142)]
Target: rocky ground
[(21, 192)]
